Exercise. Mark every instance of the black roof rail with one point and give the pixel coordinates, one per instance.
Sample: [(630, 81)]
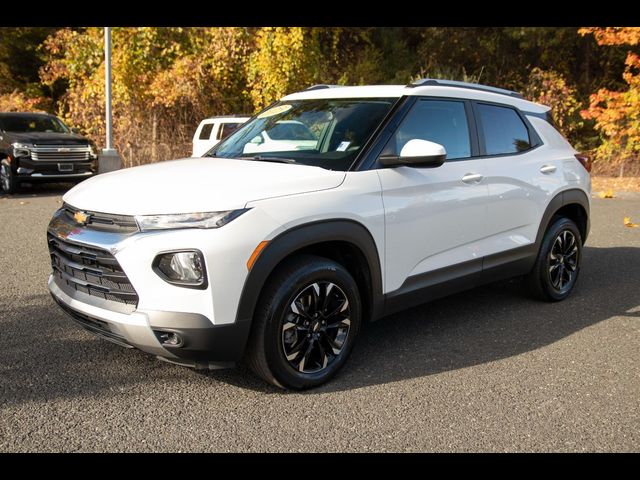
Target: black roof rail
[(424, 82), (320, 86)]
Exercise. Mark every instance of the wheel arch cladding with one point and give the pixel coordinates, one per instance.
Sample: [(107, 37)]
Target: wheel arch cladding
[(344, 241), (573, 204)]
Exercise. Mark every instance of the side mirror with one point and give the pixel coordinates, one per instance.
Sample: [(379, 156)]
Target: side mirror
[(417, 153), (257, 140), (75, 130)]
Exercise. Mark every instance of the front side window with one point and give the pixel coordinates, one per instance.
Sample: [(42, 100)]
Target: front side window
[(439, 121), (32, 123), (327, 133), (503, 130), (227, 129)]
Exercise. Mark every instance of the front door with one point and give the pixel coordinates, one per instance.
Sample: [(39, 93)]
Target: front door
[(435, 218)]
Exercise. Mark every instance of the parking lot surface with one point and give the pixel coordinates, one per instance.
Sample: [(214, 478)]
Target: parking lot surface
[(484, 370)]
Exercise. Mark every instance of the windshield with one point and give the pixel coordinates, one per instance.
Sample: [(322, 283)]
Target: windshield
[(327, 133), (32, 123)]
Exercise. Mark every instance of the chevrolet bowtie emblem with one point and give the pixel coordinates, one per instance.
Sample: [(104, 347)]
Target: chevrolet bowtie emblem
[(81, 217)]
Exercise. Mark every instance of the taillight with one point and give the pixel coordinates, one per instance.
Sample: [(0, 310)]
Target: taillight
[(584, 160)]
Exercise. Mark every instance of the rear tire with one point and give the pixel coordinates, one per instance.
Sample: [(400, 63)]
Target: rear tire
[(558, 263), (10, 184), (305, 324)]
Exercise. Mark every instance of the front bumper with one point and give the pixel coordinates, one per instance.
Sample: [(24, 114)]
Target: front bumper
[(207, 320), (31, 171), (204, 345)]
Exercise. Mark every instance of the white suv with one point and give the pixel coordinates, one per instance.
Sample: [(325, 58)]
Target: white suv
[(212, 130), (409, 193)]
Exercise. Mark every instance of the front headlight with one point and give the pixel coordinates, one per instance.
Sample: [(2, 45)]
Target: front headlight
[(187, 220), (93, 150), (21, 149)]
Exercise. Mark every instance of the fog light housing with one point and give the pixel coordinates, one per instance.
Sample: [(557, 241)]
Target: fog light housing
[(184, 268), (169, 339)]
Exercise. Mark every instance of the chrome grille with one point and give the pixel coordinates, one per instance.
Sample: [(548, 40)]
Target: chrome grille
[(90, 270), (60, 153)]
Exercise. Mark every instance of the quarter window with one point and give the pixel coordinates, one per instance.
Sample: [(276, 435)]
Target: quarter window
[(503, 129), (439, 121)]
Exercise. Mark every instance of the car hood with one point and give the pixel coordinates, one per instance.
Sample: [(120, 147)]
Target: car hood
[(196, 185), (48, 138)]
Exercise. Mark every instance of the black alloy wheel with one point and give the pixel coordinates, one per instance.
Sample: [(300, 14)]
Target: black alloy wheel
[(316, 327), (563, 261), (557, 265), (305, 324)]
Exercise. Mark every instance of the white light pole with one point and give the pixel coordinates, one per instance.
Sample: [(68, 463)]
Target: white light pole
[(109, 159)]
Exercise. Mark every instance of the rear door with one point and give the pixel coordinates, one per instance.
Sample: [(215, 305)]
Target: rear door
[(435, 217), (521, 178)]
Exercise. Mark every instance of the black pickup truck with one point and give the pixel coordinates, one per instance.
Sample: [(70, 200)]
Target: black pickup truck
[(38, 147)]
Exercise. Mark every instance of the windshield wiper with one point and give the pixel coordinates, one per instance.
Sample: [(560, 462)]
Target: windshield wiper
[(260, 158)]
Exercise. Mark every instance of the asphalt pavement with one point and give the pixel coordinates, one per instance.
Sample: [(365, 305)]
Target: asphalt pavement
[(484, 370)]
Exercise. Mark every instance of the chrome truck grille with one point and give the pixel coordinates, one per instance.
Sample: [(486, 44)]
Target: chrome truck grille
[(60, 153)]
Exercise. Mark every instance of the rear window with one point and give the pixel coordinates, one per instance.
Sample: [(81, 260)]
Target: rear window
[(503, 129), (205, 133)]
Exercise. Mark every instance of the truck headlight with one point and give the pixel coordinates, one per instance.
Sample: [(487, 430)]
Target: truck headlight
[(184, 268), (21, 149), (187, 220)]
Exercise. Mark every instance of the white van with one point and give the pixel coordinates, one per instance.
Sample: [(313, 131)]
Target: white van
[(212, 130)]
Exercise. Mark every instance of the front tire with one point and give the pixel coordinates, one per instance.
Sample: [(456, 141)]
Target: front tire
[(305, 324), (10, 184), (557, 266)]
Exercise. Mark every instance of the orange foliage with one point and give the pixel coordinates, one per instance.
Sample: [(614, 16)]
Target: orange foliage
[(617, 114), (613, 35), (18, 102), (550, 88)]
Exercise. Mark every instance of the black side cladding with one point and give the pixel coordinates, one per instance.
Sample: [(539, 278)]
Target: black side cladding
[(303, 236)]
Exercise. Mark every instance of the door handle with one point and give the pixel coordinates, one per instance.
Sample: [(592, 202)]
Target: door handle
[(548, 168), (472, 178)]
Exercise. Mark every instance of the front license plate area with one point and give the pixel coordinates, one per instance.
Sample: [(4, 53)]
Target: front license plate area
[(65, 167)]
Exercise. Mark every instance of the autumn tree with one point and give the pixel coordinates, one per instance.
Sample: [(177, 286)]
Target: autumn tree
[(20, 59), (285, 59), (550, 88), (617, 113), (165, 80), (146, 128)]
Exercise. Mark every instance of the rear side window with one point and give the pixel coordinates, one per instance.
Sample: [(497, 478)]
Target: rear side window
[(439, 121), (205, 133), (503, 130), (227, 129)]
